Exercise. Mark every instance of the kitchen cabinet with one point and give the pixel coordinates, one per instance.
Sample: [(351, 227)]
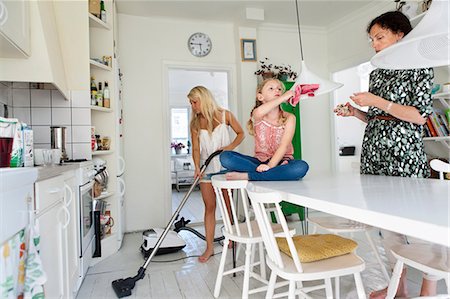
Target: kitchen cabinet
[(56, 217), (102, 39), (14, 29)]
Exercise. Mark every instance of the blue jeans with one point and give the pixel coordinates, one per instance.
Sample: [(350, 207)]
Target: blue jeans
[(234, 161)]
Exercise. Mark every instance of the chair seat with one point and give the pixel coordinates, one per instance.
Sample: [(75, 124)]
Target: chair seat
[(434, 257), (338, 224), (244, 237), (335, 266)]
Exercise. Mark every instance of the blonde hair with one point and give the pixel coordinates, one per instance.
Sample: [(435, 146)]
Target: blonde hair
[(208, 108), (281, 119)]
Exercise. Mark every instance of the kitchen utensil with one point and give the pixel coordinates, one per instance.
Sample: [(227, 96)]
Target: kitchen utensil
[(58, 140)]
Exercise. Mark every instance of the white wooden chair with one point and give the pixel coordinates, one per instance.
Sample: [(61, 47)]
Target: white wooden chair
[(246, 233), (339, 225), (429, 258), (292, 269)]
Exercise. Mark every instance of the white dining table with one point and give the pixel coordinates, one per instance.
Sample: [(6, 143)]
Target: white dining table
[(410, 206)]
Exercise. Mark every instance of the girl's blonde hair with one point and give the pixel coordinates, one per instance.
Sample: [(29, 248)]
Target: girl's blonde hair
[(208, 108), (281, 119)]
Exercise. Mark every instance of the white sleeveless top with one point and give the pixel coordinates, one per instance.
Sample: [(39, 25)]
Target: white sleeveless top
[(220, 137)]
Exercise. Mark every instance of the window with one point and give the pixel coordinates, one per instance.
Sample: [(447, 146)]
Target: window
[(179, 123)]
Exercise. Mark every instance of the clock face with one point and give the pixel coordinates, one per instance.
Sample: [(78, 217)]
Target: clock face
[(199, 44)]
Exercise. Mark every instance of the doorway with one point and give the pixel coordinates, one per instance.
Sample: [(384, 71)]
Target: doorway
[(349, 131), (180, 81)]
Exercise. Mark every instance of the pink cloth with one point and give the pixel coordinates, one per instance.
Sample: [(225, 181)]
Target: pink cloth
[(300, 89), (268, 139)]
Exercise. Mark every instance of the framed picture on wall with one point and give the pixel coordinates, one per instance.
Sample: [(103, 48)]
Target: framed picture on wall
[(248, 49)]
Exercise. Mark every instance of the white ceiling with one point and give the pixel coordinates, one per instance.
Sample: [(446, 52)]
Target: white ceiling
[(320, 13)]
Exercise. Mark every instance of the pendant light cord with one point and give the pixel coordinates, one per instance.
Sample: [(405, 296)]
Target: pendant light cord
[(299, 31)]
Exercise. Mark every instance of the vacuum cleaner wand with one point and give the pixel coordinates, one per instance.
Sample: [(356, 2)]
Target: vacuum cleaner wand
[(123, 287)]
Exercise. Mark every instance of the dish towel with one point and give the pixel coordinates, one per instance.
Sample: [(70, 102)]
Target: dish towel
[(308, 89), (34, 273), (12, 265)]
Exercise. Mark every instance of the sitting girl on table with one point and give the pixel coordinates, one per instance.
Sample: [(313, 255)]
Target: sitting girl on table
[(273, 129)]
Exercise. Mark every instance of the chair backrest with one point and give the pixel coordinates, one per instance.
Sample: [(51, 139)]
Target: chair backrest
[(440, 167), (220, 185), (259, 201)]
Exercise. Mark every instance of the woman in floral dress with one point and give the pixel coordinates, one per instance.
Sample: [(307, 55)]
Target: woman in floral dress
[(399, 103)]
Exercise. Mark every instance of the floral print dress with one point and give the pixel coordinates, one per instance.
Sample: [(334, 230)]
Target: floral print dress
[(395, 147)]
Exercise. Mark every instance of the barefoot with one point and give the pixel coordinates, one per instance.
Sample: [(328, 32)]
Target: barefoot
[(380, 294), (284, 162), (205, 256), (236, 176)]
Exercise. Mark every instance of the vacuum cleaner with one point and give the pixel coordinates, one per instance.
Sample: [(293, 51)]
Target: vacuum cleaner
[(123, 287)]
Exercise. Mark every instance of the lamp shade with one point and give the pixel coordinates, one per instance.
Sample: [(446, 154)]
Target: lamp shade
[(427, 45), (307, 77)]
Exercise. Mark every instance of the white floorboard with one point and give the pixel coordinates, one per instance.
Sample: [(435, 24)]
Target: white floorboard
[(188, 278)]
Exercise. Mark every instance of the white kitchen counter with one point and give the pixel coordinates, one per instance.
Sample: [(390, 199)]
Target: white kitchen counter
[(47, 172), (414, 207)]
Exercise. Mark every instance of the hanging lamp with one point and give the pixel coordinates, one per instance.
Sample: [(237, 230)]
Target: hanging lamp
[(308, 77), (427, 45)]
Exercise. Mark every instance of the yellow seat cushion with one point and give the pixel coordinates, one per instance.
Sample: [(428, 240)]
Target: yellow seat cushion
[(311, 248)]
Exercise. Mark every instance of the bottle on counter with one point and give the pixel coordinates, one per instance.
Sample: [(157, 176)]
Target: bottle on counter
[(106, 100), (102, 11), (93, 92), (100, 95)]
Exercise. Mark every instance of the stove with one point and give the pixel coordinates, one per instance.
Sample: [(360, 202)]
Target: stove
[(85, 180)]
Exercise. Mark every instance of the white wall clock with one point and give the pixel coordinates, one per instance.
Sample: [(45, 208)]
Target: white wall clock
[(199, 44)]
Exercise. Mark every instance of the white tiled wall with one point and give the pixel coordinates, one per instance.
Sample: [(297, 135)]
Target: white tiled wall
[(43, 108)]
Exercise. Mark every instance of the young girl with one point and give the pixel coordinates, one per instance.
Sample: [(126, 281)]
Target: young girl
[(273, 130), (209, 132)]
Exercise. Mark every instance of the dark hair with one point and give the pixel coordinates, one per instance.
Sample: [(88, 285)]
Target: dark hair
[(393, 20)]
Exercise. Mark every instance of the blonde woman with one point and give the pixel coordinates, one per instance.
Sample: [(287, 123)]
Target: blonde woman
[(210, 132)]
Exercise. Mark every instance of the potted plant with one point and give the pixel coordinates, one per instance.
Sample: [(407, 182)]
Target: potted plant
[(177, 146), (281, 72)]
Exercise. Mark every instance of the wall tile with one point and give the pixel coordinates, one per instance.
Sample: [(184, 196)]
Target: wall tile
[(41, 134), (24, 85), (81, 151), (40, 145), (5, 94), (58, 100), (69, 150), (81, 134), (81, 116), (21, 98), (22, 114), (61, 117), (40, 98), (81, 98), (41, 116)]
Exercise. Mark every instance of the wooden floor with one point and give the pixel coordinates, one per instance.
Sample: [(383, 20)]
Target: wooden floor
[(168, 277), (194, 207)]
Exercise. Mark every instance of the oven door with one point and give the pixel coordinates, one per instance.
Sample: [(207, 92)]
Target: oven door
[(86, 216)]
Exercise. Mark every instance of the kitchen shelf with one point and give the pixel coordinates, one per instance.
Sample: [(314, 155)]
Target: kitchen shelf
[(102, 109), (441, 95), (99, 65), (105, 195), (96, 22), (445, 140), (101, 153)]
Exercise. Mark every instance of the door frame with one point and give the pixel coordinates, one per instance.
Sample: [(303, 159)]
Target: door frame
[(232, 101)]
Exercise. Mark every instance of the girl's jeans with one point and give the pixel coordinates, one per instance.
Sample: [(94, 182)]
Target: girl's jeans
[(234, 161)]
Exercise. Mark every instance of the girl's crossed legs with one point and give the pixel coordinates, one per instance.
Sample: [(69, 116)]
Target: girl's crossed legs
[(244, 167)]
